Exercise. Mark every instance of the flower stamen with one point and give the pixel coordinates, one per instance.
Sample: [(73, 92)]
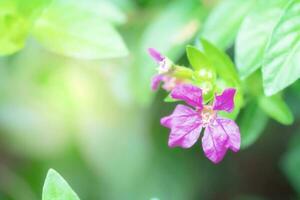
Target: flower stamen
[(208, 115)]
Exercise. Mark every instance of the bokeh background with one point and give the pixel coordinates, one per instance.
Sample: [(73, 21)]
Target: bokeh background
[(96, 121)]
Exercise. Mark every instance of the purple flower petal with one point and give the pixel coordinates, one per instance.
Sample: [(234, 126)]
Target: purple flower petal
[(233, 132), (192, 95), (225, 101), (184, 137), (155, 55), (214, 143), (218, 137), (156, 81), (185, 127), (180, 114)]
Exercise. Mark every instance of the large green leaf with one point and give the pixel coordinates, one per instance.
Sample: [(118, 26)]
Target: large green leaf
[(252, 124), (56, 188), (224, 21), (254, 34), (281, 59), (78, 29), (276, 108)]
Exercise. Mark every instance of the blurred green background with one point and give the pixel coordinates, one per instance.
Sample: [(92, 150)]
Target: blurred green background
[(75, 96)]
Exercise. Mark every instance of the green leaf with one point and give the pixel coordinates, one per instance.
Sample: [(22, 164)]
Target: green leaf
[(224, 21), (31, 9), (252, 123), (254, 34), (276, 108), (16, 19), (14, 28), (281, 59), (56, 188), (291, 162), (196, 58), (81, 32), (221, 62)]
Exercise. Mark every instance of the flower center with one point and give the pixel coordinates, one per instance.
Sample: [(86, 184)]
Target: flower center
[(208, 115), (164, 66)]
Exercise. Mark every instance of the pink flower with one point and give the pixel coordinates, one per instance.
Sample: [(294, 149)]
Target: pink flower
[(165, 68), (186, 123)]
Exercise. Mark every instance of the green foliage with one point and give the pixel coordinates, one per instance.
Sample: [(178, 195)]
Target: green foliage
[(221, 62), (15, 34), (50, 105), (252, 124), (80, 31), (254, 34), (281, 59), (276, 108), (224, 21), (77, 33), (56, 188), (291, 161), (197, 59), (14, 28)]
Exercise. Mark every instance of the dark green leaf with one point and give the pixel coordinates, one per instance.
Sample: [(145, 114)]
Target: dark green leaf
[(291, 162), (252, 124), (276, 108)]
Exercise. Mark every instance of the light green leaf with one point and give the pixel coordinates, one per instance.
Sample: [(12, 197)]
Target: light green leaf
[(103, 9), (16, 18), (224, 21), (80, 32), (196, 58), (254, 34), (14, 28), (31, 9), (276, 108), (221, 62), (56, 188), (281, 59), (252, 124)]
